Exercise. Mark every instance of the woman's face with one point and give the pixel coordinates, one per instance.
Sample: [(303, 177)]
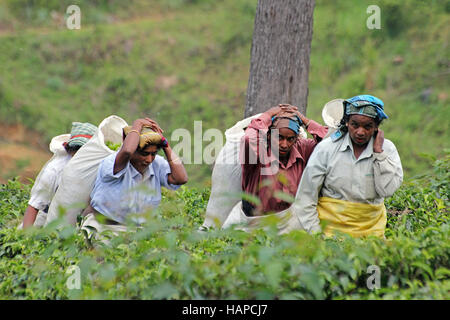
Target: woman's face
[(141, 159), (361, 128)]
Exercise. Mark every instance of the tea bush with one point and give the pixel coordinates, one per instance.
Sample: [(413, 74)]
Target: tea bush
[(168, 258)]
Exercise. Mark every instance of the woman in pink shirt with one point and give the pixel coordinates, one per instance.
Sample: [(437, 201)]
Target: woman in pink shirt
[(273, 174)]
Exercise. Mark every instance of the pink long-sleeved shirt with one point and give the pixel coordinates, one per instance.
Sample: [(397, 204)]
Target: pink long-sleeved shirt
[(256, 163)]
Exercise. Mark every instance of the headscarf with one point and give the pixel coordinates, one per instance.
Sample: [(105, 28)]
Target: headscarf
[(292, 122), (147, 136), (366, 105), (80, 134)]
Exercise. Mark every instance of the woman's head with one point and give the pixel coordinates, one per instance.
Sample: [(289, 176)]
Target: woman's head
[(79, 135), (361, 128), (363, 109), (71, 149), (150, 142), (288, 126), (143, 157)]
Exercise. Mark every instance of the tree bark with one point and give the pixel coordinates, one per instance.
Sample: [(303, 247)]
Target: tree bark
[(280, 55)]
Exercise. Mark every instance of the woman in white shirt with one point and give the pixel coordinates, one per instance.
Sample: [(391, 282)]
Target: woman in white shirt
[(350, 173), (49, 178)]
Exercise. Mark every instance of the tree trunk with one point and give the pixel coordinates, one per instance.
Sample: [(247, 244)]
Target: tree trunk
[(280, 55)]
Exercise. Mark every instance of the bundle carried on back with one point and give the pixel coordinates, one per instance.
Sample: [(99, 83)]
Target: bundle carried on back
[(79, 175), (226, 188)]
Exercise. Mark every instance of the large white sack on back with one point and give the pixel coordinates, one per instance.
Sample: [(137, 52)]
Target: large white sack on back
[(332, 113), (58, 150), (226, 176), (79, 175)]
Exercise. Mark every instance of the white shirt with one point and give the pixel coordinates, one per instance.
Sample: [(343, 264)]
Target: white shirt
[(47, 182), (333, 171)]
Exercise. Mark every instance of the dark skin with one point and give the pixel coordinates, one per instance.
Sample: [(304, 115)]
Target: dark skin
[(141, 159), (287, 138), (29, 217), (31, 212), (361, 128)]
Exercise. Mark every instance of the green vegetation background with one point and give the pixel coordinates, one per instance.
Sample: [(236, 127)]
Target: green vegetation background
[(184, 60)]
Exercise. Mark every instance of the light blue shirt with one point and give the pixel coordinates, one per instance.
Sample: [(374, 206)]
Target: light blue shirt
[(129, 192)]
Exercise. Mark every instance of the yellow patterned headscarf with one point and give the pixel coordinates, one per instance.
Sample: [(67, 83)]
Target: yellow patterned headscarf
[(146, 137)]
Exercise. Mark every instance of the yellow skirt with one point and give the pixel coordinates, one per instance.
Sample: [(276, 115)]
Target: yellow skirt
[(355, 219)]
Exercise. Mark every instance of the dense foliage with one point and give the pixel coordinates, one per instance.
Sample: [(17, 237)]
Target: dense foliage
[(113, 146), (169, 258)]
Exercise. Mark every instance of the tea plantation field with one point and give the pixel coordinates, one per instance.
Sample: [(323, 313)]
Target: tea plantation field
[(169, 259)]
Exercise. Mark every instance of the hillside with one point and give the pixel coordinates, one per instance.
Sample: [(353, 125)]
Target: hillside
[(184, 60)]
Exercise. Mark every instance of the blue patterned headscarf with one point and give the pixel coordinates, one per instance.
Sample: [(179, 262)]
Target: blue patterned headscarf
[(366, 105), (294, 122)]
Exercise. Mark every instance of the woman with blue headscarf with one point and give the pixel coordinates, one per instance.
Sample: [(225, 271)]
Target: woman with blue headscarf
[(273, 156), (350, 173)]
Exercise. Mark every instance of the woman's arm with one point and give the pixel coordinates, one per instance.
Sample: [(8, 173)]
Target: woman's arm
[(178, 174), (30, 216), (387, 167), (317, 131), (307, 197)]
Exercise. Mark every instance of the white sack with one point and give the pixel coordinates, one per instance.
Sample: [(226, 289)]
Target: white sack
[(79, 175), (58, 150), (286, 220)]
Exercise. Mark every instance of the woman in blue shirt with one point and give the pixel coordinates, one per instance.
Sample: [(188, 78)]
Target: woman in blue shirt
[(130, 180)]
